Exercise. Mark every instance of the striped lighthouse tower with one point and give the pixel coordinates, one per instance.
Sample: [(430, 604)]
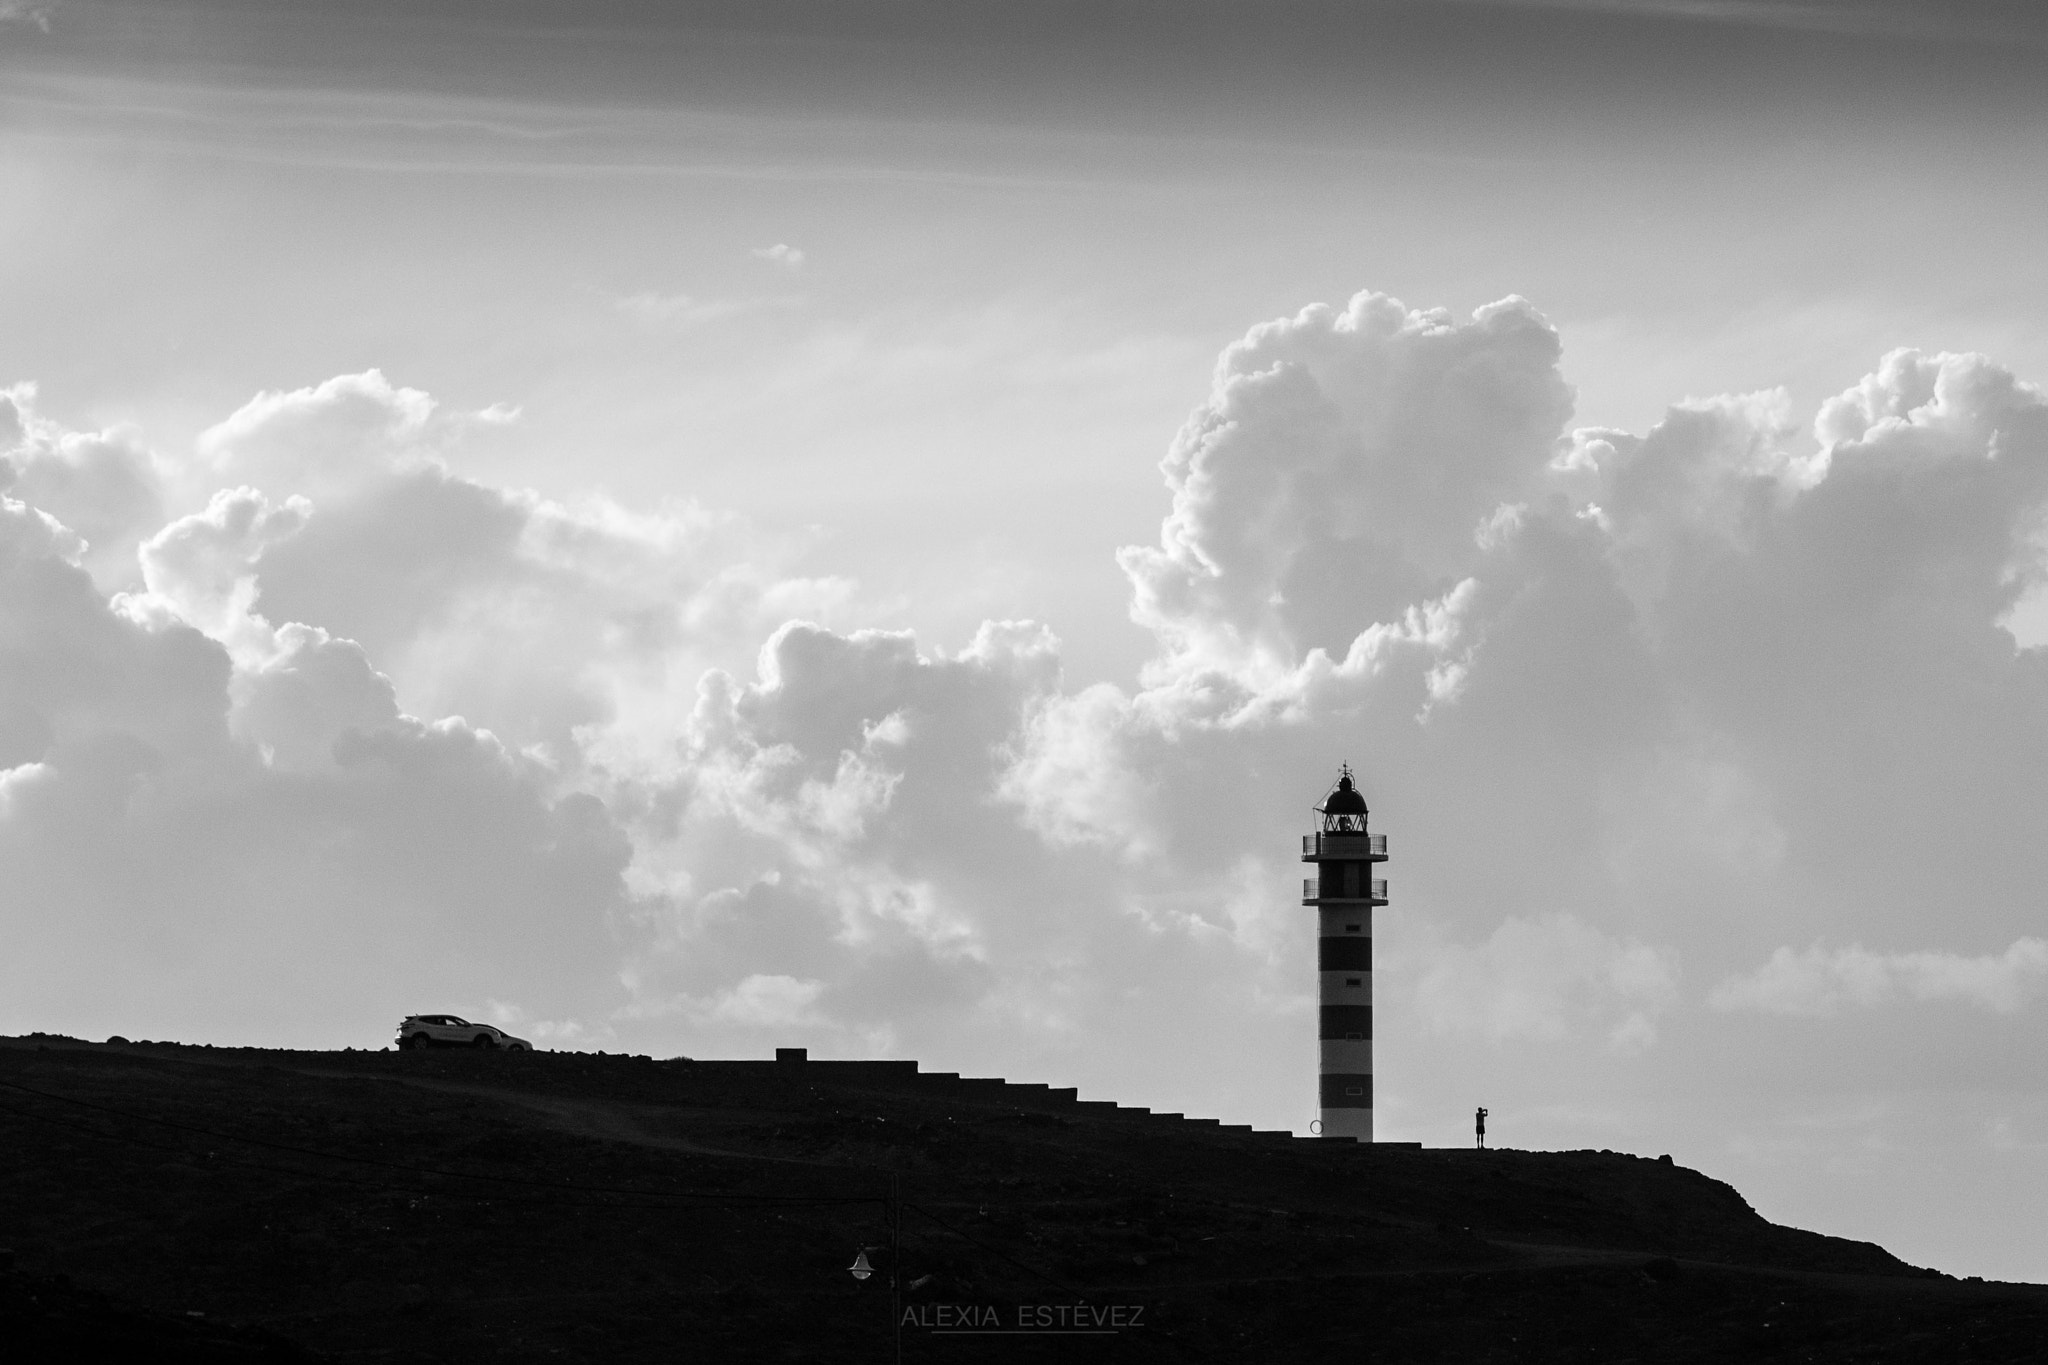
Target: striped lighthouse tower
[(1344, 891)]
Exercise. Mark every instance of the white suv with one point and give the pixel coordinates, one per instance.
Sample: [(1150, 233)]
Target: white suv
[(421, 1031)]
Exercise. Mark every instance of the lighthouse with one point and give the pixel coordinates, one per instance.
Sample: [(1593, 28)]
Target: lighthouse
[(1344, 892)]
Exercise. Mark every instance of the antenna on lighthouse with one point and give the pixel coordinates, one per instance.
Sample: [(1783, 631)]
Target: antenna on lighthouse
[(1344, 893)]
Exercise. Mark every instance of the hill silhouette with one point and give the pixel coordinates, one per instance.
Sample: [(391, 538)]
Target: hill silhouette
[(170, 1202)]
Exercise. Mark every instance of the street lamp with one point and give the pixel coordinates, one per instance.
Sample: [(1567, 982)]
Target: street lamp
[(862, 1268)]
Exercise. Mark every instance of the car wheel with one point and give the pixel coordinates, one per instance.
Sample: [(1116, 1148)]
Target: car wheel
[(517, 1047), (483, 1040), (419, 1042)]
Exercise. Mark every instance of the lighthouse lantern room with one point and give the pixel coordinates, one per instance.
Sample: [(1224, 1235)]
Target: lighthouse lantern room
[(1344, 892)]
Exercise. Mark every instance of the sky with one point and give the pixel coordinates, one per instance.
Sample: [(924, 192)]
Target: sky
[(695, 528)]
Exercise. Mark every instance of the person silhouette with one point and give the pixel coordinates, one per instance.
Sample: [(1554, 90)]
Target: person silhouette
[(1479, 1126)]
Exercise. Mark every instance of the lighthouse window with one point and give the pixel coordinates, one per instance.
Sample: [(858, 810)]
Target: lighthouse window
[(1354, 1037), (1350, 928), (1354, 1090), (1353, 981)]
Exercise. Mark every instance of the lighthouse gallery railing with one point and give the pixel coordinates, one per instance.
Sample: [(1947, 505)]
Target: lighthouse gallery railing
[(1312, 889), (1374, 845)]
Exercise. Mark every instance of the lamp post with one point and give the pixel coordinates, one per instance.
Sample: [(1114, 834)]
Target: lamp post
[(862, 1268), (896, 1264)]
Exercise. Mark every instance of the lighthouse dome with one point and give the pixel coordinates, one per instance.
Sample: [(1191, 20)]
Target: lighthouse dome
[(1344, 808), (1346, 800)]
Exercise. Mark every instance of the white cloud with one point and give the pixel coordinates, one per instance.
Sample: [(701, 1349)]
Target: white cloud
[(1339, 469), (1819, 981), (1620, 698), (581, 626), (331, 438), (763, 1001), (201, 569), (782, 254), (1547, 979), (104, 485), (35, 13), (265, 850)]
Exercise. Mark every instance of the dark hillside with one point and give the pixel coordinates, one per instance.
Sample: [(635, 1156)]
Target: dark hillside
[(560, 1207)]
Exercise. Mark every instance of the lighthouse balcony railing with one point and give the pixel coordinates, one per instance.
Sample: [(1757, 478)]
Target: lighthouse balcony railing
[(1312, 889), (1344, 845)]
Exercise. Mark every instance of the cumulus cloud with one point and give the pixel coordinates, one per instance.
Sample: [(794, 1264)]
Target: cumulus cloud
[(327, 439), (159, 865), (1610, 679), (782, 254), (1633, 705), (200, 569), (1588, 667), (104, 485), (578, 626), (1818, 981), (836, 819), (344, 584), (1337, 476)]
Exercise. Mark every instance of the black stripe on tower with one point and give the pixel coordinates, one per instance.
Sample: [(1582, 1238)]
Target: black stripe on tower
[(1351, 953), (1343, 1090), (1345, 1021)]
